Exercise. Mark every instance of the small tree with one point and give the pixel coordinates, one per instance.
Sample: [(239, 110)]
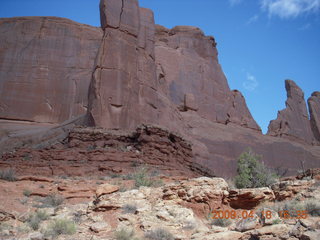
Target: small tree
[(252, 173)]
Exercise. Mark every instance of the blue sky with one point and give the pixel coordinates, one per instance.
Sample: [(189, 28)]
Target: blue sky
[(260, 42)]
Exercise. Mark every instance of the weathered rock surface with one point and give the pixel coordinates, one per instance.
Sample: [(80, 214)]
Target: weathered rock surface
[(201, 194), (142, 210), (314, 108), (293, 122), (123, 88), (46, 65), (187, 63), (287, 189), (249, 198), (217, 146)]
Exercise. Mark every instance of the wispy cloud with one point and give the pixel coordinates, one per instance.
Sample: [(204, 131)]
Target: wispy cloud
[(251, 83), (253, 19), (290, 8), (305, 27), (234, 2)]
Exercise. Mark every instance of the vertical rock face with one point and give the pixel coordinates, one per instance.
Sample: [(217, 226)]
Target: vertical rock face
[(293, 122), (46, 65), (124, 78), (314, 108), (147, 74), (187, 61)]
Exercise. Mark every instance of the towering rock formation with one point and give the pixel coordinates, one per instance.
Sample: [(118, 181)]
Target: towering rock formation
[(314, 108), (124, 77), (131, 71), (46, 65), (187, 61), (293, 122)]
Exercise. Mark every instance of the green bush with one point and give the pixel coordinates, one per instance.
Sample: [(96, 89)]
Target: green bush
[(129, 208), (8, 175), (27, 192), (61, 227), (276, 221), (52, 200), (252, 173), (143, 178), (294, 207), (124, 234), (313, 207), (36, 218), (159, 234)]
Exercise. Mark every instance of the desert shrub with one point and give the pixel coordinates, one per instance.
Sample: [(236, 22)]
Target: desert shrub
[(52, 200), (36, 218), (8, 174), (124, 234), (294, 206), (27, 192), (252, 173), (129, 208), (61, 227), (221, 222), (4, 226), (276, 221), (77, 216), (313, 207), (143, 178), (159, 234)]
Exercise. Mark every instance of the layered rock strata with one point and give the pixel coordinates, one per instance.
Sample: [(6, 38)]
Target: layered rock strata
[(96, 152)]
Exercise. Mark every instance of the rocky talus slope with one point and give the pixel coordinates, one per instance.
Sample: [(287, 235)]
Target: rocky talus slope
[(87, 152), (107, 208)]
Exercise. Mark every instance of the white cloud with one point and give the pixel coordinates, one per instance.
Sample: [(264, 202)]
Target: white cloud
[(234, 2), (253, 19), (251, 83), (290, 8)]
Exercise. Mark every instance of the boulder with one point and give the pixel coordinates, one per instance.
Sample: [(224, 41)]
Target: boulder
[(269, 216), (99, 227), (310, 235), (203, 190), (248, 224), (249, 198)]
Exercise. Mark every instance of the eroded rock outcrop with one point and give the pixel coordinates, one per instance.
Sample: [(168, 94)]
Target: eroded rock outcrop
[(293, 122)]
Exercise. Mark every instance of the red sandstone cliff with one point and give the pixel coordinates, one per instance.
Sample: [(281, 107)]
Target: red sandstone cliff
[(132, 71), (46, 65)]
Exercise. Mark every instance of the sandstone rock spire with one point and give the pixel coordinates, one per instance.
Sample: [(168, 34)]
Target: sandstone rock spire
[(293, 121), (314, 108)]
